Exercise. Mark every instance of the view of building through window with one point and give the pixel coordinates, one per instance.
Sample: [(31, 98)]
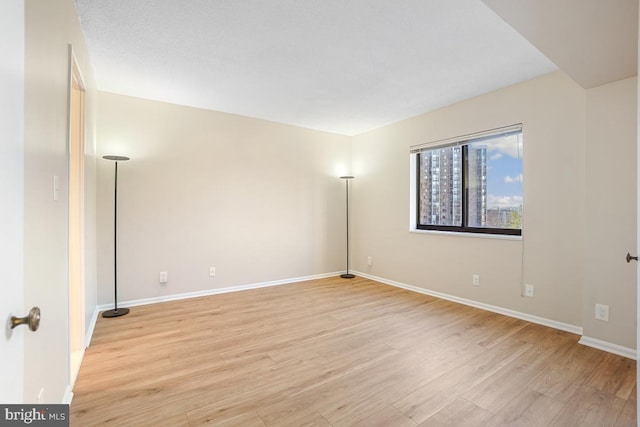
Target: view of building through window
[(477, 184)]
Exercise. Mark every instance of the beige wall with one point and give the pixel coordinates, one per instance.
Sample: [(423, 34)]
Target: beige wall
[(50, 27), (580, 206), (260, 201), (611, 211), (552, 110)]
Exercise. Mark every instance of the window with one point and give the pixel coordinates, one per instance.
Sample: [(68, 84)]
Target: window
[(470, 184)]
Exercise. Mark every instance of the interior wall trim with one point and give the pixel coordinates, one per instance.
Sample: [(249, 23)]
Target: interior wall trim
[(68, 395), (215, 291), (488, 307), (91, 327), (132, 303), (609, 347), (584, 340), (588, 341)]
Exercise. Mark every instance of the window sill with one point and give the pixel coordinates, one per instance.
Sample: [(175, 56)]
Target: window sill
[(457, 234)]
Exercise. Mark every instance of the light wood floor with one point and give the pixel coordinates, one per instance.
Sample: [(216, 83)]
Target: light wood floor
[(338, 352)]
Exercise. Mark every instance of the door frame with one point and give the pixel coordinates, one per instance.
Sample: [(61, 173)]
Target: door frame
[(76, 246)]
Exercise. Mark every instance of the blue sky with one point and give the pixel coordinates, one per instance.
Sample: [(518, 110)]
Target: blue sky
[(504, 171)]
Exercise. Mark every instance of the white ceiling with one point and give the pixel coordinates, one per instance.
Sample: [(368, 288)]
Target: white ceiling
[(342, 66)]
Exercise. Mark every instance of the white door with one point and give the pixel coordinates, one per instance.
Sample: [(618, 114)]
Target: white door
[(11, 198), (638, 237)]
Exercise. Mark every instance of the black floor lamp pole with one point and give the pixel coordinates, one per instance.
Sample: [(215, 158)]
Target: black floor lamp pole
[(116, 312), (347, 275)]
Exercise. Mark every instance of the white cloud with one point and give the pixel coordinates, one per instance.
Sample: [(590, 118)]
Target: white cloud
[(494, 201), (513, 180), (507, 145)]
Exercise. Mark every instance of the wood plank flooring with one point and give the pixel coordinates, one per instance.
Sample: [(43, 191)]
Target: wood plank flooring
[(339, 352)]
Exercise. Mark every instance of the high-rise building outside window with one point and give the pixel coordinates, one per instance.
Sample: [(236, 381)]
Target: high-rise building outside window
[(471, 184)]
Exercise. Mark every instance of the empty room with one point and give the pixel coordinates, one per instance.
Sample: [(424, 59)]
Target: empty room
[(320, 213)]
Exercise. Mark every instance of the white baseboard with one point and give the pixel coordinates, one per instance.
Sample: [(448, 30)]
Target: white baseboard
[(488, 307), (591, 342), (68, 396), (92, 326), (68, 393), (584, 340), (215, 291), (74, 373), (132, 303), (609, 347)]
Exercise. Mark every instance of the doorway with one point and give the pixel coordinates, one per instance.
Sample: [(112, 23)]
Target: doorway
[(76, 220)]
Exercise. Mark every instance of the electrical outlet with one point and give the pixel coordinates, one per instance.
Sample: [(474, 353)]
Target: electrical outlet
[(528, 290), (164, 277), (369, 260), (475, 279), (602, 312), (212, 271)]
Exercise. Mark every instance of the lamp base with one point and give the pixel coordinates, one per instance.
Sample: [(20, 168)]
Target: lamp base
[(115, 313), (347, 276)]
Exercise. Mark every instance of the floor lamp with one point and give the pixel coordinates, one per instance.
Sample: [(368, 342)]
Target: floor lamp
[(347, 275), (116, 312)]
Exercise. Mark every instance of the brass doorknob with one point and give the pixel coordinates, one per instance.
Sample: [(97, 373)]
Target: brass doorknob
[(32, 319)]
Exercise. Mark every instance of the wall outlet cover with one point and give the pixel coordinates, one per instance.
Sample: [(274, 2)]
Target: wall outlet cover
[(602, 312), (475, 279), (528, 290)]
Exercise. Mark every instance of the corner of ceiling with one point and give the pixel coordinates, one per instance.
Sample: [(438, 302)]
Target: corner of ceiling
[(594, 43)]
